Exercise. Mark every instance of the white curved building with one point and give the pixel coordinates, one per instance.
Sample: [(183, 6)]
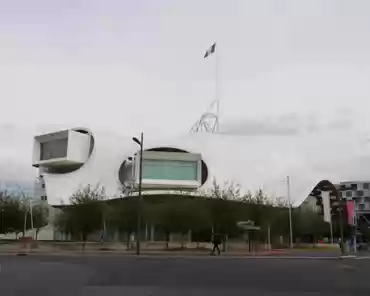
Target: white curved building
[(94, 157), (70, 159)]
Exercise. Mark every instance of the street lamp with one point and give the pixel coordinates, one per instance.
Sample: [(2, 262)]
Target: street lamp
[(340, 206), (139, 201), (290, 212), (286, 181), (2, 218)]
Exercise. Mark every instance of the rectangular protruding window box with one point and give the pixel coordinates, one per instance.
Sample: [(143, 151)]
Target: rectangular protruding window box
[(62, 148), (169, 170)]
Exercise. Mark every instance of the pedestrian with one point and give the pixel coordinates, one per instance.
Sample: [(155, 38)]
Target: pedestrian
[(216, 241)]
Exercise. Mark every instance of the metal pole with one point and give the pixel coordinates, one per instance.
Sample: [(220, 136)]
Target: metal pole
[(25, 222), (269, 236), (340, 221), (355, 234), (103, 234), (2, 220), (31, 217), (331, 231), (139, 202), (290, 212), (217, 89)]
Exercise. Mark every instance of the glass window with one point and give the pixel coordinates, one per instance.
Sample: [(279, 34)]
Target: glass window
[(354, 186), (360, 193), (53, 149), (367, 198), (348, 193), (170, 170), (366, 185), (361, 207)]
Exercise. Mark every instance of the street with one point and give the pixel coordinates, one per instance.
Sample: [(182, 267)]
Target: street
[(129, 275)]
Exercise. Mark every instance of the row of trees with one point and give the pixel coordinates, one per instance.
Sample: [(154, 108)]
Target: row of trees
[(218, 211), (91, 213), (16, 214)]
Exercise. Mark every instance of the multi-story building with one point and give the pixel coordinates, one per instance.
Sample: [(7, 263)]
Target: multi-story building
[(359, 191), (313, 201)]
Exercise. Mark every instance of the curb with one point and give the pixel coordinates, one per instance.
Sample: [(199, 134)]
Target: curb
[(153, 254), (182, 256)]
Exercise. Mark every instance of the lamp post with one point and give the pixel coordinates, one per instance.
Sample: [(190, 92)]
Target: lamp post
[(2, 219), (290, 212), (340, 209), (139, 201)]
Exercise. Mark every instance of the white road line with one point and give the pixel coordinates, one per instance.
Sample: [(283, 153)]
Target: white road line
[(348, 257), (363, 258)]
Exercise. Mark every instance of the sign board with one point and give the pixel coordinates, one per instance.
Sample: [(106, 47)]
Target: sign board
[(248, 225)]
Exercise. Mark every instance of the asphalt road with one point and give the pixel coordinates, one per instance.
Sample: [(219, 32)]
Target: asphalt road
[(125, 275)]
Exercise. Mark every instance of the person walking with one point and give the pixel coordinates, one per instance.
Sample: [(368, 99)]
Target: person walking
[(340, 243), (216, 241)]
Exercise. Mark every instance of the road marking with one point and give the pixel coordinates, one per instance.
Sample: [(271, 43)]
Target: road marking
[(348, 257), (363, 258), (347, 267)]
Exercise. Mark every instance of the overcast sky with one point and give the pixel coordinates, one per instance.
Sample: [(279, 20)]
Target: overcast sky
[(294, 77)]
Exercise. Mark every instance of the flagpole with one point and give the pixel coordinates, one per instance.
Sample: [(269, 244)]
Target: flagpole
[(217, 88)]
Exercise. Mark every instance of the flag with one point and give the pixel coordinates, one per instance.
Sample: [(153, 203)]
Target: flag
[(326, 205), (211, 50), (351, 212)]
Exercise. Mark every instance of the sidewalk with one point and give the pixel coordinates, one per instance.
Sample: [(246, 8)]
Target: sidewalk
[(75, 249), (274, 254), (167, 253)]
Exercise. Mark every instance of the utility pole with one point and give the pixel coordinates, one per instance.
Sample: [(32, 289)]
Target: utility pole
[(290, 212), (139, 201), (31, 217), (340, 208), (269, 236)]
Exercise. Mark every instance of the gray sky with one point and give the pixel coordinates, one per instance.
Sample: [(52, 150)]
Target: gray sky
[(293, 74)]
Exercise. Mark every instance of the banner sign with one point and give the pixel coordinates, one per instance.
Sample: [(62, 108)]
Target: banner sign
[(326, 205), (351, 212)]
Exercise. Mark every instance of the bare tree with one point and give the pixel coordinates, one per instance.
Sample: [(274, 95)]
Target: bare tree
[(85, 215), (40, 214)]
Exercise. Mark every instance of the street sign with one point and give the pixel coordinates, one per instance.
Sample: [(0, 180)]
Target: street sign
[(248, 225)]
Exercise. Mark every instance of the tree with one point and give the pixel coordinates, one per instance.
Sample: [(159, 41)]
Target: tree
[(12, 215), (247, 198), (85, 214), (266, 212), (222, 210), (172, 218), (229, 191), (180, 214), (309, 226), (62, 221), (200, 221), (40, 214), (124, 216)]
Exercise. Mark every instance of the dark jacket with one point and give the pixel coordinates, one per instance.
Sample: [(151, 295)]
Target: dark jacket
[(216, 239)]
